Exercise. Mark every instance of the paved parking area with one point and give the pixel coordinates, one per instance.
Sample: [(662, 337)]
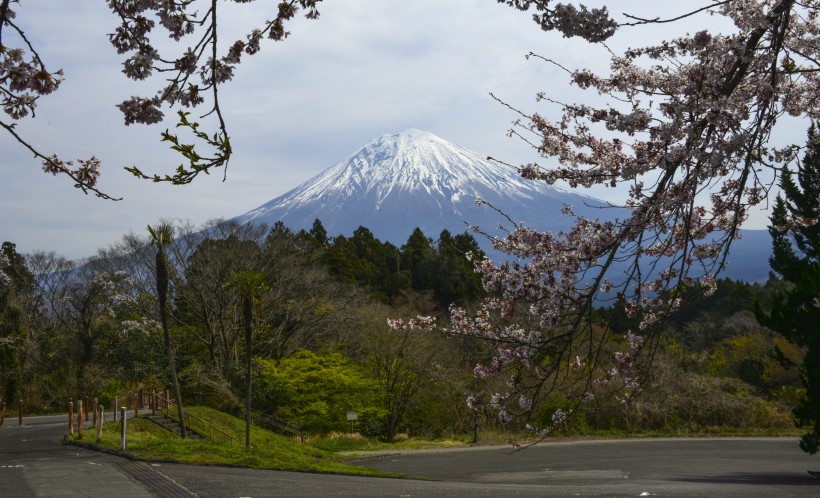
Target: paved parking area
[(632, 467), (34, 463)]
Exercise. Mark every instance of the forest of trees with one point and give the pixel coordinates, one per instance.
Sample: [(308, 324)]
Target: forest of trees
[(682, 126), (321, 344)]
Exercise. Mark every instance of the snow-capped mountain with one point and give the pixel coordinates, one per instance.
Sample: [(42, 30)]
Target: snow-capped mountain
[(415, 179), (410, 179)]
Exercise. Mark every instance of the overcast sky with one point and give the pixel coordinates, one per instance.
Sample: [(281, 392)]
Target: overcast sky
[(365, 68)]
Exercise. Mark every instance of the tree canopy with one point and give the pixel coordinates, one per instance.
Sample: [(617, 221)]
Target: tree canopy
[(92, 327)]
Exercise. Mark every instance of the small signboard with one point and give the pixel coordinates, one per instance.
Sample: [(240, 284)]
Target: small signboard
[(352, 415)]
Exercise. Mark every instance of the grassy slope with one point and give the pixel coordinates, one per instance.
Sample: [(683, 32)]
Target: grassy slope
[(148, 441)]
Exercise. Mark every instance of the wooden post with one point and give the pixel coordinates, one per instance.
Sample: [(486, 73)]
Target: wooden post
[(80, 422), (70, 417), (116, 407), (20, 414), (136, 404), (3, 413), (95, 411), (154, 403), (85, 407), (99, 425), (122, 431)]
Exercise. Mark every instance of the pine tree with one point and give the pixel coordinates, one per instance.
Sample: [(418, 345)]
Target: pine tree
[(455, 279), (796, 247), (418, 256), (319, 233)]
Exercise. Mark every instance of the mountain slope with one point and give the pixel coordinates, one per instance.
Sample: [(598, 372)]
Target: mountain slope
[(413, 178), (410, 179)]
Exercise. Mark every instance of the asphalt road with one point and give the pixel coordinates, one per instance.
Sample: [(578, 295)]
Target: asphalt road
[(637, 467), (33, 462)]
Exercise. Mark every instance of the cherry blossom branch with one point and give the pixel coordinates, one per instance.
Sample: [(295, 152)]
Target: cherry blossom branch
[(180, 20), (593, 25), (222, 128), (4, 18), (84, 176), (22, 82), (658, 20)]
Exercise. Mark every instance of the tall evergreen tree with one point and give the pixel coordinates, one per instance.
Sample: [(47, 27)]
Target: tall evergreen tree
[(319, 233), (455, 277), (796, 247), (418, 256)]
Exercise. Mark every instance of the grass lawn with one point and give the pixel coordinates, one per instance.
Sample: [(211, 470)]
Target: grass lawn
[(147, 441)]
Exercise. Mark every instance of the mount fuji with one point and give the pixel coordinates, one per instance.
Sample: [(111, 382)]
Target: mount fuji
[(410, 179)]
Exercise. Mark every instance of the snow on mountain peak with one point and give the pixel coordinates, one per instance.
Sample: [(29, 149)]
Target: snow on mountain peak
[(415, 160), (412, 178)]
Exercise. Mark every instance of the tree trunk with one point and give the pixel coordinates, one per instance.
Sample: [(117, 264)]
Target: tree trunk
[(247, 315), (162, 296)]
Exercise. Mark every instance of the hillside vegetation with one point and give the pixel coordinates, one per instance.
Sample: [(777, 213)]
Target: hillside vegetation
[(321, 346)]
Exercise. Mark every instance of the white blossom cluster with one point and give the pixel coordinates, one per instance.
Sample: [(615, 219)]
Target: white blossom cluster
[(5, 279), (23, 78), (425, 323), (191, 77), (594, 25), (87, 171), (142, 326)]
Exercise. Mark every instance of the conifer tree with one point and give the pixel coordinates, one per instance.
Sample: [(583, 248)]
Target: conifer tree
[(319, 233), (796, 246)]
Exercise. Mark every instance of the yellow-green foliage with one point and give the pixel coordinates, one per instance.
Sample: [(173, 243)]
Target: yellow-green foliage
[(754, 358), (316, 391), (733, 355)]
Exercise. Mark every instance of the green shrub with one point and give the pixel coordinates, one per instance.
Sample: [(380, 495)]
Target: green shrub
[(109, 389), (316, 392)]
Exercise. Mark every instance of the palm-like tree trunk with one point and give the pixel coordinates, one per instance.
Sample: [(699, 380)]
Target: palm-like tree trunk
[(161, 236), (250, 286), (247, 316)]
